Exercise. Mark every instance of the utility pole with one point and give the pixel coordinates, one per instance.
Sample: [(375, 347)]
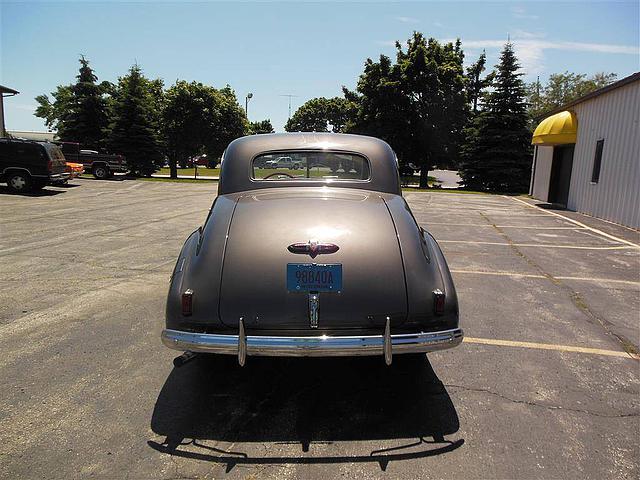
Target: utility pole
[(290, 97)]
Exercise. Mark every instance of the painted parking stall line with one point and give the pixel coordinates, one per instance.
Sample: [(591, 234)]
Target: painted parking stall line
[(580, 224), (484, 225), (541, 245), (549, 346), (532, 275)]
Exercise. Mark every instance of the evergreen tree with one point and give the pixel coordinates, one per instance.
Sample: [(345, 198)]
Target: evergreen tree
[(497, 154), (134, 129), (86, 118)]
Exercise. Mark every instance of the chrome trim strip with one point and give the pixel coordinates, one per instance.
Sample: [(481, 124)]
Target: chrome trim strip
[(318, 346)]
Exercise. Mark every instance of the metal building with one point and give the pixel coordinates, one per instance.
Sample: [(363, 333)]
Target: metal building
[(4, 92), (587, 154)]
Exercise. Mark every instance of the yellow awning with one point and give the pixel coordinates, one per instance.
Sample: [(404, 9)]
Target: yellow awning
[(557, 129)]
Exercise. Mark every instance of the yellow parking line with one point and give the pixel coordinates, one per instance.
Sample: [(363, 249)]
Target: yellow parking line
[(504, 274), (532, 275), (543, 245), (548, 346)]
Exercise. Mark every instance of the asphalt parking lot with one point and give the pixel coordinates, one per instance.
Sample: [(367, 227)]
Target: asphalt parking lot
[(544, 386)]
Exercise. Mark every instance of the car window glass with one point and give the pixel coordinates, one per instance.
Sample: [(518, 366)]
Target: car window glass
[(310, 165)]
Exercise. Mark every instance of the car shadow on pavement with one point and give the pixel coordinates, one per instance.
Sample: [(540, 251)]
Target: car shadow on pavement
[(45, 192), (304, 401)]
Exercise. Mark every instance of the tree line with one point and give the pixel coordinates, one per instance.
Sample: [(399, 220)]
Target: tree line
[(436, 113), (432, 110), (139, 118)]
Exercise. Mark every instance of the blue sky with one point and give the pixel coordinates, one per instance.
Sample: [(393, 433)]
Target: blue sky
[(304, 49)]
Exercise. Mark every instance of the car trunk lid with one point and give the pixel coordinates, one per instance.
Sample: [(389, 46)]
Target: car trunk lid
[(264, 225)]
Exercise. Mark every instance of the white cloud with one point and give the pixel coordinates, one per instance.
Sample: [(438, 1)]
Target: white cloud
[(407, 20), (28, 108), (518, 33), (438, 24), (530, 50), (521, 13)]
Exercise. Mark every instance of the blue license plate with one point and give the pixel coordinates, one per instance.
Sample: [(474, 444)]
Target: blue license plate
[(312, 277)]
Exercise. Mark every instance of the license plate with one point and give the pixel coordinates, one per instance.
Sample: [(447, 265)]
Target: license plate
[(312, 277)]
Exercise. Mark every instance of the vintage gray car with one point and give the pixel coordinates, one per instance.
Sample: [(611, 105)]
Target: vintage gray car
[(322, 260)]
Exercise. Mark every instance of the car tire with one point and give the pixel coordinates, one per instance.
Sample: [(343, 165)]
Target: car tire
[(19, 182), (100, 172)]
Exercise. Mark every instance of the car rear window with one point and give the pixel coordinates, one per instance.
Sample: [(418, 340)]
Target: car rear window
[(310, 165), (55, 153)]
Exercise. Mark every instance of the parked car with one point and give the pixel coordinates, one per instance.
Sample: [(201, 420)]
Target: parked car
[(408, 169), (313, 266), (283, 162), (203, 161), (101, 165), (75, 169), (27, 165)]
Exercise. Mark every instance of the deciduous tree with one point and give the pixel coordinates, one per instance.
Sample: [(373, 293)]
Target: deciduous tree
[(200, 119), (321, 115), (562, 88), (263, 126), (475, 83), (416, 104)]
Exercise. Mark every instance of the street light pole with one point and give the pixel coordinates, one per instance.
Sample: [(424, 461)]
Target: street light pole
[(246, 104)]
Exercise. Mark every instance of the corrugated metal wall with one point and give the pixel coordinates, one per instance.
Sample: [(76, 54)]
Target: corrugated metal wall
[(614, 117)]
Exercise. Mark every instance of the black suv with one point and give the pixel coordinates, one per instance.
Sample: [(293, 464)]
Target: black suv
[(26, 165)]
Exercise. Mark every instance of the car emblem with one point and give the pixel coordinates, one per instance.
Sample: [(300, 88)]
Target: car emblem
[(313, 248)]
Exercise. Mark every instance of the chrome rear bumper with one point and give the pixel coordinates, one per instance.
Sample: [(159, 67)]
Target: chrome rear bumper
[(318, 346)]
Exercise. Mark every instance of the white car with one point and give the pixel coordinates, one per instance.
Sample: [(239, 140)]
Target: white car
[(283, 162)]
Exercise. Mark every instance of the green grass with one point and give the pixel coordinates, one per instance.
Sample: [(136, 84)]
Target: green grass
[(406, 179), (202, 171), (177, 180)]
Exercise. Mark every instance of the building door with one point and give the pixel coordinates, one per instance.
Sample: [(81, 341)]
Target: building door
[(561, 174)]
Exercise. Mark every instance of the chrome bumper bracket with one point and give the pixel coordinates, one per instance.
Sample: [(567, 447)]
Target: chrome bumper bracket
[(242, 343), (387, 343)]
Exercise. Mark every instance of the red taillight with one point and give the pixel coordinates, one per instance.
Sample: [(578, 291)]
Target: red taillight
[(50, 165), (438, 302), (187, 303)]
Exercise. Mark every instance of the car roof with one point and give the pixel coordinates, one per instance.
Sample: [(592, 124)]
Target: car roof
[(235, 175)]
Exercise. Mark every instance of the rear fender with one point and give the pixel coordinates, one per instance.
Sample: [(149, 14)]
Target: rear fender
[(186, 257), (451, 313), (425, 268), (199, 268)]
